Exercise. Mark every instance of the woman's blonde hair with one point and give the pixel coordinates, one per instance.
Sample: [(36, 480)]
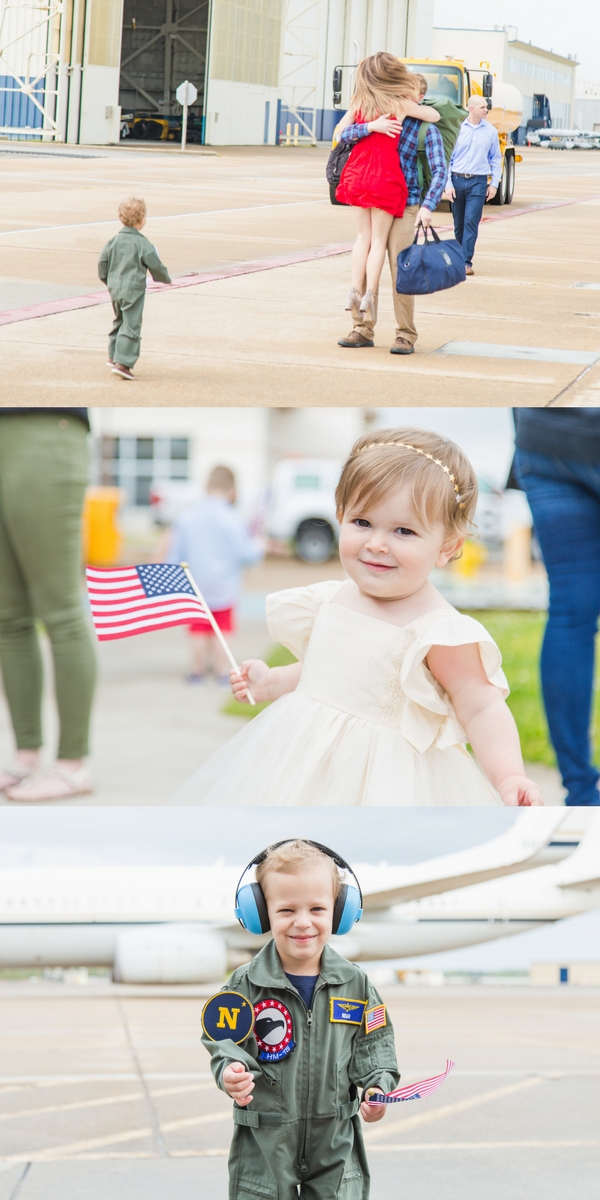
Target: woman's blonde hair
[(292, 857), (382, 82), (132, 211), (443, 486)]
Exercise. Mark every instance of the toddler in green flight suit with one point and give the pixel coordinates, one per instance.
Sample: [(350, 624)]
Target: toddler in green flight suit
[(123, 266), (320, 1034)]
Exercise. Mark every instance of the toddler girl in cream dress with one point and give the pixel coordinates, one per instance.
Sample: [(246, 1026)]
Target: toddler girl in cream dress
[(391, 681)]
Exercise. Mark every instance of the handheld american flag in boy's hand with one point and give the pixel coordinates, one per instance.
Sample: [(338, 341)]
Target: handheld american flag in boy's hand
[(414, 1091), (130, 600)]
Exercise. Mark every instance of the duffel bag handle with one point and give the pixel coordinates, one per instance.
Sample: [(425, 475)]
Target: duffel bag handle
[(426, 230)]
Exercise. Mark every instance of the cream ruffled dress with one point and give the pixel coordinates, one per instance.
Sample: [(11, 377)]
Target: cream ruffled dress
[(367, 725)]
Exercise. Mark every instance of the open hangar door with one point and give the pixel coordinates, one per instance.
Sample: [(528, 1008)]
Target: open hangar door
[(163, 43)]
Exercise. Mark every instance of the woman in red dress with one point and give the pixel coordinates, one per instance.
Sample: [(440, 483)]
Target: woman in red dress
[(372, 180)]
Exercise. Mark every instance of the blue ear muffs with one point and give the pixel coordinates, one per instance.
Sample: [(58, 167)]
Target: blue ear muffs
[(251, 906)]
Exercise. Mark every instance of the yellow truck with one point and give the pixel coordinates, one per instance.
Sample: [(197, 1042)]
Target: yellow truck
[(451, 77)]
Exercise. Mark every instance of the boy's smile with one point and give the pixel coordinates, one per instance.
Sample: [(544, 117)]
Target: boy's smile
[(300, 908)]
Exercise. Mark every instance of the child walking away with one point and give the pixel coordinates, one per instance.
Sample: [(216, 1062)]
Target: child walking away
[(392, 682), (296, 1032), (212, 537), (372, 180), (123, 266)]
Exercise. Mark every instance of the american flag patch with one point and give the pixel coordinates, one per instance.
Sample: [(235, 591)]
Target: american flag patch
[(375, 1018), (129, 600)]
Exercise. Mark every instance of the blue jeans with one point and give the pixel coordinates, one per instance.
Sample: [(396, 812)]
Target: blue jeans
[(467, 210), (564, 497)]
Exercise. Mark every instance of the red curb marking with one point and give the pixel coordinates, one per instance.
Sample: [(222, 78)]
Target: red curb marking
[(72, 303), (51, 307)]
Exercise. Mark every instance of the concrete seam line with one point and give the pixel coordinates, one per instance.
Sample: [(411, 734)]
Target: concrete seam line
[(159, 1141), (20, 1181), (448, 1110), (569, 386), (487, 1145), (209, 212), (69, 1149)]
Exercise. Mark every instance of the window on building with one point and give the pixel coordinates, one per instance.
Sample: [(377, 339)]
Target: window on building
[(136, 463), (520, 66)]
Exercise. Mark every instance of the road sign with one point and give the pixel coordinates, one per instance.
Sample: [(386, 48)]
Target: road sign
[(186, 93)]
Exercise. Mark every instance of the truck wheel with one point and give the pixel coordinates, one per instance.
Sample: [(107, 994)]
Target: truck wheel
[(510, 178), (500, 197), (314, 541)]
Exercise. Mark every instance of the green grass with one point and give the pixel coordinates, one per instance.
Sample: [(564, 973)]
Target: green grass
[(519, 636)]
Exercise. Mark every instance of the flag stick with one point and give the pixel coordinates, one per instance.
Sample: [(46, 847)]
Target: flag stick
[(217, 631)]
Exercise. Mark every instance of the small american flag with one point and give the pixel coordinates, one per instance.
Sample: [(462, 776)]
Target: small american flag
[(375, 1018), (414, 1091), (130, 600)]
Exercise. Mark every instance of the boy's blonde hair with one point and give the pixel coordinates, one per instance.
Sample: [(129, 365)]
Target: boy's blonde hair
[(221, 479), (132, 211), (421, 82), (292, 857), (382, 82), (375, 468)]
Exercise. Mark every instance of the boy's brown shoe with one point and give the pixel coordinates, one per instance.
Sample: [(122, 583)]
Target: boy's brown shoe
[(355, 339), (124, 372)]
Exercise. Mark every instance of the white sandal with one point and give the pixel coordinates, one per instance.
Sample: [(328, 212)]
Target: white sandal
[(77, 783), (18, 773)]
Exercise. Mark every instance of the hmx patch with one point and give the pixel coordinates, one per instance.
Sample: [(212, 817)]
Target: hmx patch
[(273, 1030), (346, 1012), (375, 1018), (228, 1015)]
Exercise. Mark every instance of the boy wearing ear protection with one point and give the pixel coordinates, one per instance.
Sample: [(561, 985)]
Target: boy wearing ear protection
[(297, 1032)]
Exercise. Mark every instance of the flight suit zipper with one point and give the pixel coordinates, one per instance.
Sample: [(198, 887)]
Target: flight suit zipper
[(309, 1017)]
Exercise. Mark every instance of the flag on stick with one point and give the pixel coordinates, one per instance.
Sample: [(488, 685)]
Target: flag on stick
[(130, 600), (414, 1091)]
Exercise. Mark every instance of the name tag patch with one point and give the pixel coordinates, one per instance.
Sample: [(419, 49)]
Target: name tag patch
[(228, 1015), (346, 1012), (273, 1030)]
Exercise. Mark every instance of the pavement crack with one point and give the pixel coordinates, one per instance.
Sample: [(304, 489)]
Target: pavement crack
[(20, 1181), (568, 387), (160, 1145)]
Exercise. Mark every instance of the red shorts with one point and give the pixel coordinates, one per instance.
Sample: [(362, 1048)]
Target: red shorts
[(225, 618)]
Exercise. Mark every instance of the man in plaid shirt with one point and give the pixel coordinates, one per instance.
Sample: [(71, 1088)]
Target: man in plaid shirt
[(403, 228)]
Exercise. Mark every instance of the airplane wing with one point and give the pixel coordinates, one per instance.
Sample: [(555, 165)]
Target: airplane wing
[(582, 869), (519, 849)]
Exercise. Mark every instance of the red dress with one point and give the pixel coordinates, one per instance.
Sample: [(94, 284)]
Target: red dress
[(372, 177)]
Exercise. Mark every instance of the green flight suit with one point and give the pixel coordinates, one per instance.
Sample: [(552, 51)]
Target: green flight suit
[(123, 265), (302, 1126)]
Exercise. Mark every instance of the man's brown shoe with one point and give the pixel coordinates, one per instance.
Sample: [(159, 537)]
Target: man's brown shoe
[(469, 271), (402, 346), (124, 372), (355, 339)]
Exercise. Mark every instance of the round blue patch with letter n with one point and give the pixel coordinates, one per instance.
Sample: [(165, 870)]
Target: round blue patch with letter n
[(228, 1015)]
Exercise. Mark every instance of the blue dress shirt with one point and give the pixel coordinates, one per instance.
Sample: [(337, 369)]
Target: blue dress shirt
[(211, 536), (477, 151)]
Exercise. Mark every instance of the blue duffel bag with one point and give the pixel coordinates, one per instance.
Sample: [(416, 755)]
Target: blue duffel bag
[(431, 267)]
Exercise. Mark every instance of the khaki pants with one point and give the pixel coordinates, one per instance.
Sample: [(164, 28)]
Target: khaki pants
[(401, 235)]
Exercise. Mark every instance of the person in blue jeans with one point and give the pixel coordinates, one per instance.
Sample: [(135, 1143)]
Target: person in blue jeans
[(476, 156), (557, 464)]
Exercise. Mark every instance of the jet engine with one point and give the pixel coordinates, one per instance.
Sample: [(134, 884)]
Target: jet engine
[(169, 954)]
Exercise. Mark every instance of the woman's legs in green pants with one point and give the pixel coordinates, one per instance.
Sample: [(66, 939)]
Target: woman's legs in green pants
[(43, 475)]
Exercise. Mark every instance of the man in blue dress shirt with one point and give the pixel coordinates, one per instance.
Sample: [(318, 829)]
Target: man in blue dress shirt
[(475, 157)]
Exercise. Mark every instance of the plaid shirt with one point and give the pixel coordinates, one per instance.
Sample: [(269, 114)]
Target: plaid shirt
[(407, 150)]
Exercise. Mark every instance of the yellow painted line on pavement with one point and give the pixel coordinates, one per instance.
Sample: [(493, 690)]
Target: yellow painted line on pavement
[(128, 1135), (74, 1105), (449, 1110)]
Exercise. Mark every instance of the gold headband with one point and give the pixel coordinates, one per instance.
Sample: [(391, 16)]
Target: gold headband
[(417, 449)]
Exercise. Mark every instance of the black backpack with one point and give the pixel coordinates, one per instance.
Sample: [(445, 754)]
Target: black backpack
[(335, 165)]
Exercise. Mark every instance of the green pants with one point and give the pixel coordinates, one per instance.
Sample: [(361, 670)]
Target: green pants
[(126, 334), (43, 476), (325, 1158)]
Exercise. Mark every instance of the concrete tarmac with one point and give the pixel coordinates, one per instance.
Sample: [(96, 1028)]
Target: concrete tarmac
[(261, 266), (106, 1091)]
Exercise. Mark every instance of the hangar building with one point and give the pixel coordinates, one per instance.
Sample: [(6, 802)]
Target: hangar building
[(73, 68)]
